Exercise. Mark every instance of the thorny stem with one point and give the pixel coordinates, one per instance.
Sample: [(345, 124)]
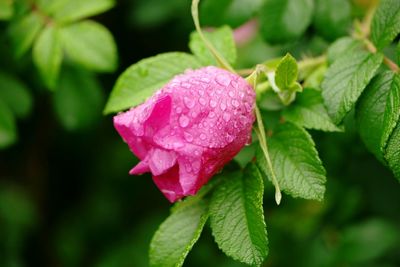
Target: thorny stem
[(220, 59)]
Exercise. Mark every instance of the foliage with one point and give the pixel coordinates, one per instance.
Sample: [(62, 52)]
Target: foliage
[(323, 85)]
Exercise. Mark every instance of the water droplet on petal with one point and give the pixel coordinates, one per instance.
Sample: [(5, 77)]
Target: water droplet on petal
[(231, 93), (248, 107), (188, 136), (234, 83), (188, 168), (178, 110), (235, 103), (224, 80), (222, 106), (183, 121), (189, 102), (202, 101), (226, 116), (229, 138), (213, 103), (211, 114), (186, 85), (203, 136)]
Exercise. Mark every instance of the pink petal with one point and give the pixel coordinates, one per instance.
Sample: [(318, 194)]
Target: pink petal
[(169, 185), (140, 168), (161, 160)]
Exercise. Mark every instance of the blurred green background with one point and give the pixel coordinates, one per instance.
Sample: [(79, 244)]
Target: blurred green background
[(66, 198)]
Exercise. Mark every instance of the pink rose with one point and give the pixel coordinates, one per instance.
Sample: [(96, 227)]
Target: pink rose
[(188, 130)]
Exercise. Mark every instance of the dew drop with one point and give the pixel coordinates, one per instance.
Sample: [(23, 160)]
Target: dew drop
[(188, 136), (183, 121), (196, 152), (248, 107), (202, 101), (231, 93), (205, 80), (222, 106), (189, 103), (229, 138), (223, 80), (203, 136), (188, 168), (226, 116), (234, 83), (186, 85), (235, 103), (178, 110), (213, 103)]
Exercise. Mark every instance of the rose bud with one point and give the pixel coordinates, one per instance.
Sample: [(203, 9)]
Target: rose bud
[(187, 131)]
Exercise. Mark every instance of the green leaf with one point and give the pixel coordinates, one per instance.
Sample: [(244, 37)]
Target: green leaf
[(376, 115), (15, 95), (66, 11), (285, 20), (90, 44), (23, 32), (346, 79), (283, 81), (392, 110), (286, 72), (355, 241), (343, 47), (385, 25), (231, 12), (178, 233), (78, 99), (6, 9), (398, 54), (47, 55), (392, 153), (332, 18), (221, 39), (8, 131), (309, 111), (145, 77), (296, 163), (237, 217)]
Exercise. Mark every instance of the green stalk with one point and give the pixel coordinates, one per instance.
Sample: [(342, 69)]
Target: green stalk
[(260, 131), (220, 59)]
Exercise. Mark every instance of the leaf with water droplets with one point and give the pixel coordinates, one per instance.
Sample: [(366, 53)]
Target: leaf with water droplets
[(142, 79)]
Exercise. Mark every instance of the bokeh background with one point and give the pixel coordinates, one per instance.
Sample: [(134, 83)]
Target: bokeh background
[(66, 198)]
